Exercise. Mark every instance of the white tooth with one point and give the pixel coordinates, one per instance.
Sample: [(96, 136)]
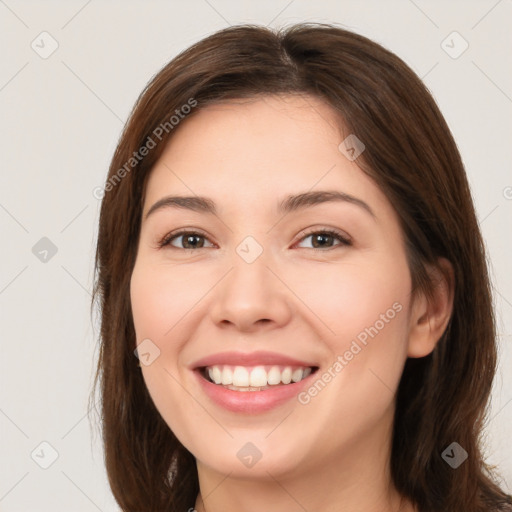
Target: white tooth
[(307, 371), (297, 375), (274, 376), (258, 377), (227, 376), (286, 376), (216, 375), (210, 373), (240, 376)]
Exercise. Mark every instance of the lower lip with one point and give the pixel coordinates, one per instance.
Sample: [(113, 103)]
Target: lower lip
[(251, 402)]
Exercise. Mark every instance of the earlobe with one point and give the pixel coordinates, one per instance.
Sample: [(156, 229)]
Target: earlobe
[(431, 313)]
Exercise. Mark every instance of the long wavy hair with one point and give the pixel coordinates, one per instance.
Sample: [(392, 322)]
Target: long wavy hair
[(413, 158)]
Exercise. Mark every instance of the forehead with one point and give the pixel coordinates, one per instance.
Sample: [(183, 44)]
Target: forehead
[(251, 150), (271, 123)]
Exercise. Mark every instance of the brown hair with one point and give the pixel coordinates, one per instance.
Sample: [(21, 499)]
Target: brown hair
[(412, 156)]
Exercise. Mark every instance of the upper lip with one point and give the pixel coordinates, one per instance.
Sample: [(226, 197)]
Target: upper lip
[(249, 359)]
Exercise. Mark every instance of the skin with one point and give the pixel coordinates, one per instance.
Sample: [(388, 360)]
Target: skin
[(299, 299)]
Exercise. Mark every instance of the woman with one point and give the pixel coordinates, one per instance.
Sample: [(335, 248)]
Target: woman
[(288, 244)]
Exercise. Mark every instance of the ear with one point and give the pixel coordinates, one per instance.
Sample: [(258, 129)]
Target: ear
[(429, 317)]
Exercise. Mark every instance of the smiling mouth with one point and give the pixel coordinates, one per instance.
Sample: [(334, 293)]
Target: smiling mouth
[(255, 378)]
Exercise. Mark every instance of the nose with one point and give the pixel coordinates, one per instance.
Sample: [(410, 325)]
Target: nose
[(251, 297)]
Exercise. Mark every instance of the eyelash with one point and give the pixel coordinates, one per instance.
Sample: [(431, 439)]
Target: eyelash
[(345, 241)]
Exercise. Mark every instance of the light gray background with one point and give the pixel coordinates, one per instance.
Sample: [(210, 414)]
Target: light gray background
[(60, 121)]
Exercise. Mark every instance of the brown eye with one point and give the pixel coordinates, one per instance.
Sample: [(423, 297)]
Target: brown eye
[(325, 238), (190, 240)]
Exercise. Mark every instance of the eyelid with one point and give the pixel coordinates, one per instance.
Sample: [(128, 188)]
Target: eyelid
[(167, 238), (344, 238)]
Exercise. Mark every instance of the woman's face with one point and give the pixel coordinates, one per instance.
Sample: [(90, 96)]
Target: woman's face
[(258, 293)]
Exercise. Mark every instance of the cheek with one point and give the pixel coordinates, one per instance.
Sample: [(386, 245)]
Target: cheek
[(161, 302), (352, 297), (161, 298), (365, 309)]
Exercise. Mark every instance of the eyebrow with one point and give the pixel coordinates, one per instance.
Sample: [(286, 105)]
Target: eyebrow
[(289, 204)]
